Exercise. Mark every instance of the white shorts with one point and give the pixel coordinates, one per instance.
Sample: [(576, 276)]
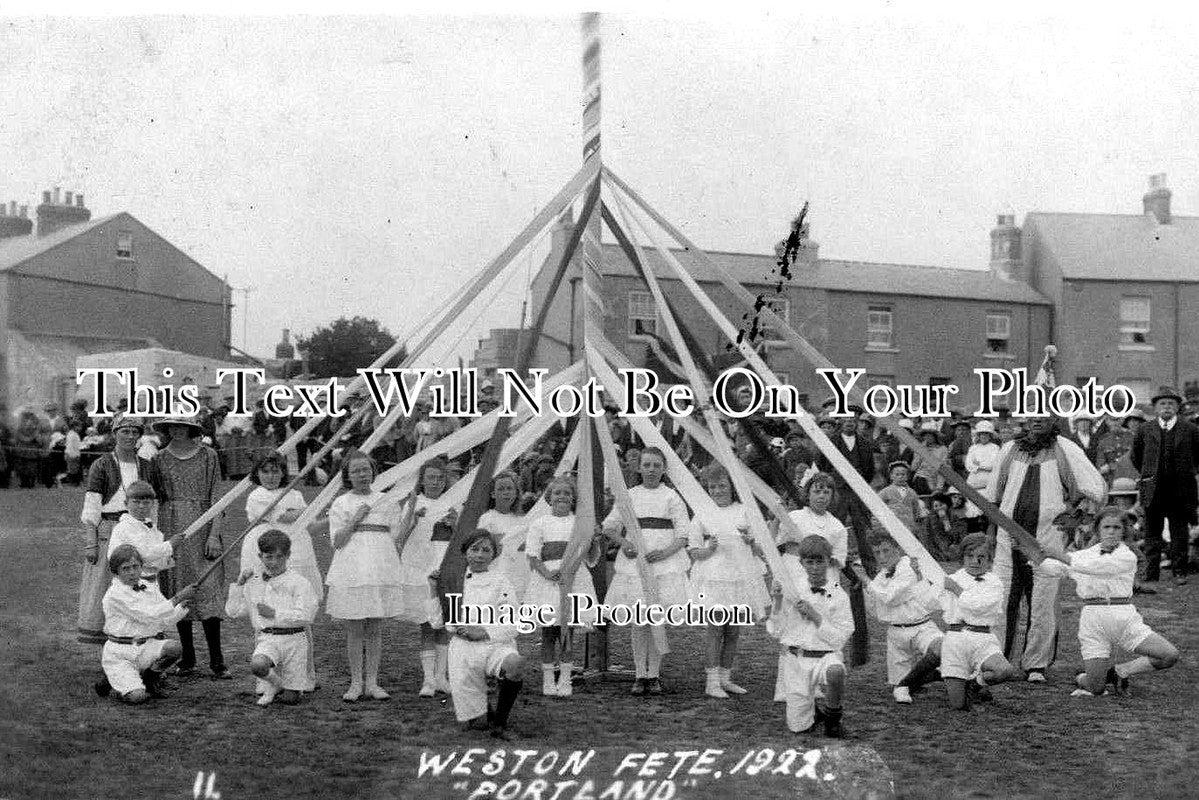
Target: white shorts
[(289, 654), (124, 663), (906, 646), (470, 664), (804, 680), (963, 652), (1101, 626)]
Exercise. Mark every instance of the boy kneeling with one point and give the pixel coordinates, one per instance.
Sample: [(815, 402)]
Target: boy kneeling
[(480, 651), (135, 616), (971, 658), (813, 630), (280, 605)]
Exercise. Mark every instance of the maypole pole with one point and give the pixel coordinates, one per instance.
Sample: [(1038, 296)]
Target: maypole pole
[(590, 472)]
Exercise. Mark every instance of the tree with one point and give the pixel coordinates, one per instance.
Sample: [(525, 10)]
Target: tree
[(347, 345)]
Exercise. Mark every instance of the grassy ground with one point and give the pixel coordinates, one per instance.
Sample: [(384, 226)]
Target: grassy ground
[(57, 739)]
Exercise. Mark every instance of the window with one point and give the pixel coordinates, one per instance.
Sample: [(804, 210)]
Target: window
[(879, 380), (1134, 320), (878, 327), (999, 333), (124, 244), (782, 307), (643, 315), (935, 381), (1139, 387)]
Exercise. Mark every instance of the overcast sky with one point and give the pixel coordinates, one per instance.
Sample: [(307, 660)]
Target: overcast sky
[(368, 165)]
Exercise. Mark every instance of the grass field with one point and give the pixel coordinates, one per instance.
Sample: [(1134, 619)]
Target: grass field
[(58, 740)]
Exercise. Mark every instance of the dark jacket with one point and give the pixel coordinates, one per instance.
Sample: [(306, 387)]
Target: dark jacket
[(1179, 477), (862, 458)]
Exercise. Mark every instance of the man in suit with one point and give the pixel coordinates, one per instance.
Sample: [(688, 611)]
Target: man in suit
[(1166, 453)]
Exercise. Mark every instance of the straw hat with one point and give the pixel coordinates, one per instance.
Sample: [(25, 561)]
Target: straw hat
[(163, 426), (1167, 393), (986, 426)]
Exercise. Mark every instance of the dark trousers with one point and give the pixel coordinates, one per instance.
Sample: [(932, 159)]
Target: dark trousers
[(1021, 589), (852, 512), (1180, 538)]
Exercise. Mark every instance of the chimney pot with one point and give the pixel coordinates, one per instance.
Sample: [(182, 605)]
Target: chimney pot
[(46, 197), (12, 208), (1156, 201), (25, 210), (3, 210), (79, 200), (70, 197), (57, 195)]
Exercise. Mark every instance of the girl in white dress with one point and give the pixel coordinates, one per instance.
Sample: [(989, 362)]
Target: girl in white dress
[(725, 572), (547, 543), (421, 554), (364, 587), (662, 517), (981, 459), (504, 521), (271, 476)]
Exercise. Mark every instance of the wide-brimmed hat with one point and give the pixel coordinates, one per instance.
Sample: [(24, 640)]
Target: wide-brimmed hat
[(1123, 487), (125, 421), (1136, 413), (163, 426), (1167, 393), (907, 423), (985, 426)]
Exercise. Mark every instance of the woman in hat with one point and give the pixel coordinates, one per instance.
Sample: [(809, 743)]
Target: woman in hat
[(188, 472), (104, 503)]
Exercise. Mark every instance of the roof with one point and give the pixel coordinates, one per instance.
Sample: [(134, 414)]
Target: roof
[(843, 276), (17, 250), (1119, 246)]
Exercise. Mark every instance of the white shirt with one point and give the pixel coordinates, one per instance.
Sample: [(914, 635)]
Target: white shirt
[(156, 554), (902, 598), (827, 527), (141, 614), (288, 593), (1167, 426), (980, 603), (490, 589), (792, 629), (1098, 576)]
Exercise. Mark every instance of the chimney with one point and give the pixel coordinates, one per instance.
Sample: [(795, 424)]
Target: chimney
[(1006, 260), (70, 196), (57, 195), (53, 216), (1157, 200), (11, 224), (284, 350)]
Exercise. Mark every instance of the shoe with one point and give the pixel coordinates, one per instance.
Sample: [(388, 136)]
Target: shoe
[(102, 687), (1119, 685), (727, 684), (1081, 692), (714, 689), (832, 725), (182, 670), (1180, 580), (565, 688), (377, 693), (479, 723), (499, 732), (353, 694), (978, 693), (638, 687), (153, 685), (902, 694), (653, 686), (221, 673), (427, 689), (1036, 676), (549, 686)]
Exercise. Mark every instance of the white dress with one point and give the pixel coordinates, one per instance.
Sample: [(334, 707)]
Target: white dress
[(548, 538), (661, 506), (513, 561), (303, 557), (363, 579), (732, 575), (423, 553)]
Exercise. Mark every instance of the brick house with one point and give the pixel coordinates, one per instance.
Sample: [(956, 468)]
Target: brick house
[(79, 286)]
